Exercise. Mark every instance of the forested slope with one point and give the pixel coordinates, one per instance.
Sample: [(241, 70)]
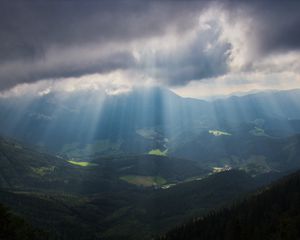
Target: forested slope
[(273, 214)]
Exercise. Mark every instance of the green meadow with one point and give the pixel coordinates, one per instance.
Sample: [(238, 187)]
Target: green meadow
[(82, 164), (158, 152), (145, 181), (219, 133)]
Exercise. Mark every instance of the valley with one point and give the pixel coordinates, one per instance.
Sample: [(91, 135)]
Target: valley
[(150, 178)]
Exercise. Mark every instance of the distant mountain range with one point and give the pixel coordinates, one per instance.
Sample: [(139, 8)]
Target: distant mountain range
[(151, 120)]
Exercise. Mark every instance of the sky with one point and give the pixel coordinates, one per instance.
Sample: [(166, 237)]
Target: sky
[(195, 48)]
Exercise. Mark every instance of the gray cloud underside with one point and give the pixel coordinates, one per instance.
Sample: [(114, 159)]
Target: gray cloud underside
[(33, 34), (276, 23)]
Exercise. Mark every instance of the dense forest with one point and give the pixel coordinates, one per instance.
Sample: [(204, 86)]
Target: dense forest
[(15, 228), (273, 213)]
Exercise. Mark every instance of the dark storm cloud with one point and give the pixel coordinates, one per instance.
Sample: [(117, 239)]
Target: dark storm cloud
[(276, 23), (34, 33), (17, 73), (30, 29)]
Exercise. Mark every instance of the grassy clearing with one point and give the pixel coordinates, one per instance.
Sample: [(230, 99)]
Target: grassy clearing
[(221, 169), (219, 133), (82, 164), (158, 152), (145, 181)]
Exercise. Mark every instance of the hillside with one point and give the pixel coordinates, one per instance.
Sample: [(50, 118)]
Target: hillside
[(114, 214), (15, 228), (272, 213), (245, 147), (23, 168), (151, 193)]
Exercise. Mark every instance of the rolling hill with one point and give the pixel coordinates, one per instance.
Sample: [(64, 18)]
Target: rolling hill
[(108, 197), (272, 213)]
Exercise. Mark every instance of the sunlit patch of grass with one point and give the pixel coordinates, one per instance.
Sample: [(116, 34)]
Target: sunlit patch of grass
[(145, 181), (221, 169), (219, 133), (158, 152), (82, 164)]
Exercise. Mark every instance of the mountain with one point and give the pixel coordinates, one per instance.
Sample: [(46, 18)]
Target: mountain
[(85, 117), (23, 167), (88, 123), (107, 197), (97, 166), (272, 213)]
